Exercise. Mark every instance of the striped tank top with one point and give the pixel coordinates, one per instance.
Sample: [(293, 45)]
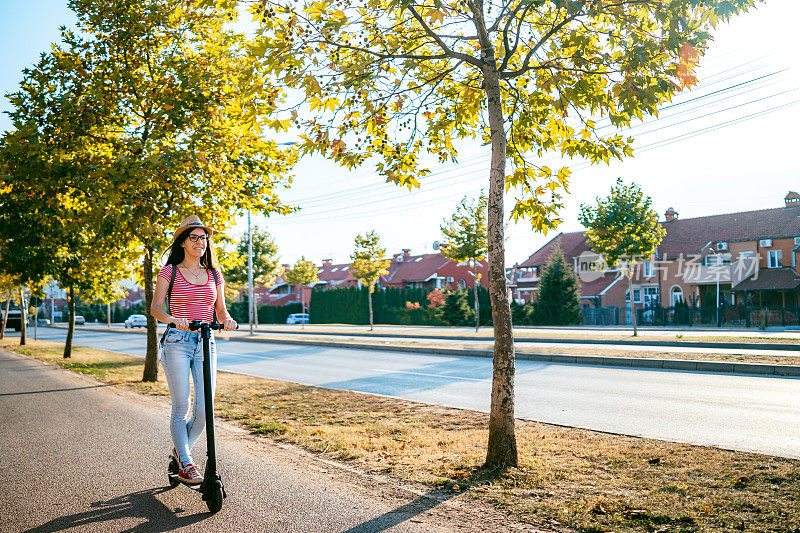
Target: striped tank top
[(190, 301)]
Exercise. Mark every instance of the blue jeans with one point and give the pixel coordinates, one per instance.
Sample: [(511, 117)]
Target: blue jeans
[(183, 355)]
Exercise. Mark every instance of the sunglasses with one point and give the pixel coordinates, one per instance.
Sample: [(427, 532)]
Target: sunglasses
[(199, 238)]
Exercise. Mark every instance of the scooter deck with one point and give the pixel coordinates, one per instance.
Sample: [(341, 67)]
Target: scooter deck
[(193, 486)]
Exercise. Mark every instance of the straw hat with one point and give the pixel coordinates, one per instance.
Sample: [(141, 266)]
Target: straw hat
[(189, 223)]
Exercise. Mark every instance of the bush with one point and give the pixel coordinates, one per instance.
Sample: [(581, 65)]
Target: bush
[(349, 305)]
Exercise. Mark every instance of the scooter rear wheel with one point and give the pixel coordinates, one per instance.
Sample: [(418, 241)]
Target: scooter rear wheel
[(173, 469), (214, 500)]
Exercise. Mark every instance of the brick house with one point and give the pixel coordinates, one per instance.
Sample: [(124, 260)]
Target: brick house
[(748, 258), (405, 271), (431, 271)]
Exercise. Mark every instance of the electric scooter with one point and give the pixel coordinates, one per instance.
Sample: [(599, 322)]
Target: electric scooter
[(211, 488)]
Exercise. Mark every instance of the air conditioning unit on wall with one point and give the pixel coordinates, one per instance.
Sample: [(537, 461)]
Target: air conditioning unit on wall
[(722, 246)]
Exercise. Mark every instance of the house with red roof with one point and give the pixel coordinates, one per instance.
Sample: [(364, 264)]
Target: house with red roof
[(405, 270), (432, 271), (750, 258)]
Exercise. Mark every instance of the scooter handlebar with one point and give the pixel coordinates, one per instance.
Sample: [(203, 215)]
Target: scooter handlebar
[(194, 325)]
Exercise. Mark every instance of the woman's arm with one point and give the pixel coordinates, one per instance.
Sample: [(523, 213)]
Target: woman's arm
[(221, 308), (157, 306)]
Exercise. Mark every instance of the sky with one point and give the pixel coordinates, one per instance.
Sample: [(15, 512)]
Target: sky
[(730, 144)]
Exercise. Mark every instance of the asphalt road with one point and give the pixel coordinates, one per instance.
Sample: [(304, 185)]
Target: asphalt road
[(78, 456), (748, 413)]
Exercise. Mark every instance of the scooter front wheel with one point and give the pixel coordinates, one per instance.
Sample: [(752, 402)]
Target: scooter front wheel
[(214, 500)]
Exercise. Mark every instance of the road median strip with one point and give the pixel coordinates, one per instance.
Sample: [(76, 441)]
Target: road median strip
[(694, 365), (567, 479)]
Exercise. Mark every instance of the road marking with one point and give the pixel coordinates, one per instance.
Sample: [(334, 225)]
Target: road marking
[(458, 378), (246, 355)]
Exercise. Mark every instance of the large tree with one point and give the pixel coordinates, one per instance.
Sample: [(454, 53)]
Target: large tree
[(465, 239), (625, 229), (166, 95), (47, 222), (369, 264), (392, 80)]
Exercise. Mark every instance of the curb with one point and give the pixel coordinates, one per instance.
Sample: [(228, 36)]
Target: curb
[(558, 340), (596, 360)]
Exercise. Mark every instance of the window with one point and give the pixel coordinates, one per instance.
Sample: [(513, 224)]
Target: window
[(647, 269), (418, 259), (449, 278), (637, 296), (462, 284), (651, 295), (765, 243), (676, 295), (716, 259), (334, 269), (344, 269), (775, 259)]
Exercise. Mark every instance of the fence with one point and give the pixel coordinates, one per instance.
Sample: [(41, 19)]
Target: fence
[(731, 316), (600, 316)]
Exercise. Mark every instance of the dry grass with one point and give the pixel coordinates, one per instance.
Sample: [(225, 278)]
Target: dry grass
[(567, 479)]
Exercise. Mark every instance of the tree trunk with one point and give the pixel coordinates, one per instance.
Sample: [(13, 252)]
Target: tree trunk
[(369, 299), (71, 325), (477, 310), (502, 447), (633, 305), (150, 359), (23, 319), (255, 310), (302, 308), (5, 318)]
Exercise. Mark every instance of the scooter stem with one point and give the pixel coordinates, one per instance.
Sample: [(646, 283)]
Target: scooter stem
[(210, 474)]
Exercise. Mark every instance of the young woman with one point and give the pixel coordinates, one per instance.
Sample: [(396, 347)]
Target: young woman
[(198, 291)]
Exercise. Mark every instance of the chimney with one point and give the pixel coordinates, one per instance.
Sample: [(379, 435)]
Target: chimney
[(286, 266), (327, 262), (406, 253), (671, 215), (792, 199)]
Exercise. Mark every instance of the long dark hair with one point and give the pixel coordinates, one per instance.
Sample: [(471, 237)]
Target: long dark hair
[(177, 254)]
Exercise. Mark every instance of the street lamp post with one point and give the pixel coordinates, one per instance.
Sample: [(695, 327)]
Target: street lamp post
[(250, 299)]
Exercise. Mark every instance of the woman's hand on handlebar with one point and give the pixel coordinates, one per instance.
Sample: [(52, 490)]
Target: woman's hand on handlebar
[(230, 324), (181, 323)]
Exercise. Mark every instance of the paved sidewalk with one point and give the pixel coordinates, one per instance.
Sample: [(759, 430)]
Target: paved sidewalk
[(80, 456)]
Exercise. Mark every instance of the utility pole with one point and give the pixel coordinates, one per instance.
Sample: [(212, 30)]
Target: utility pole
[(250, 299)]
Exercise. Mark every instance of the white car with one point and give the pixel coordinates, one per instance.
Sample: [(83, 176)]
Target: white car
[(136, 321), (297, 318)]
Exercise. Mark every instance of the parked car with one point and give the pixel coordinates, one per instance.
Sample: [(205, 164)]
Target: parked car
[(79, 320), (14, 316), (136, 321), (297, 318), (44, 321)]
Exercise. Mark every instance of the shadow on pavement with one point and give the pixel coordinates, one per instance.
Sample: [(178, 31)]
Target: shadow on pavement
[(53, 390), (141, 504), (401, 514)]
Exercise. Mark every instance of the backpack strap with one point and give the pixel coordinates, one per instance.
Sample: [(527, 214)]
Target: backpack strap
[(169, 289), (169, 307), (216, 280)]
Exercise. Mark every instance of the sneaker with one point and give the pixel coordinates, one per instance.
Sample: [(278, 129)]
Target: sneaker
[(188, 474)]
